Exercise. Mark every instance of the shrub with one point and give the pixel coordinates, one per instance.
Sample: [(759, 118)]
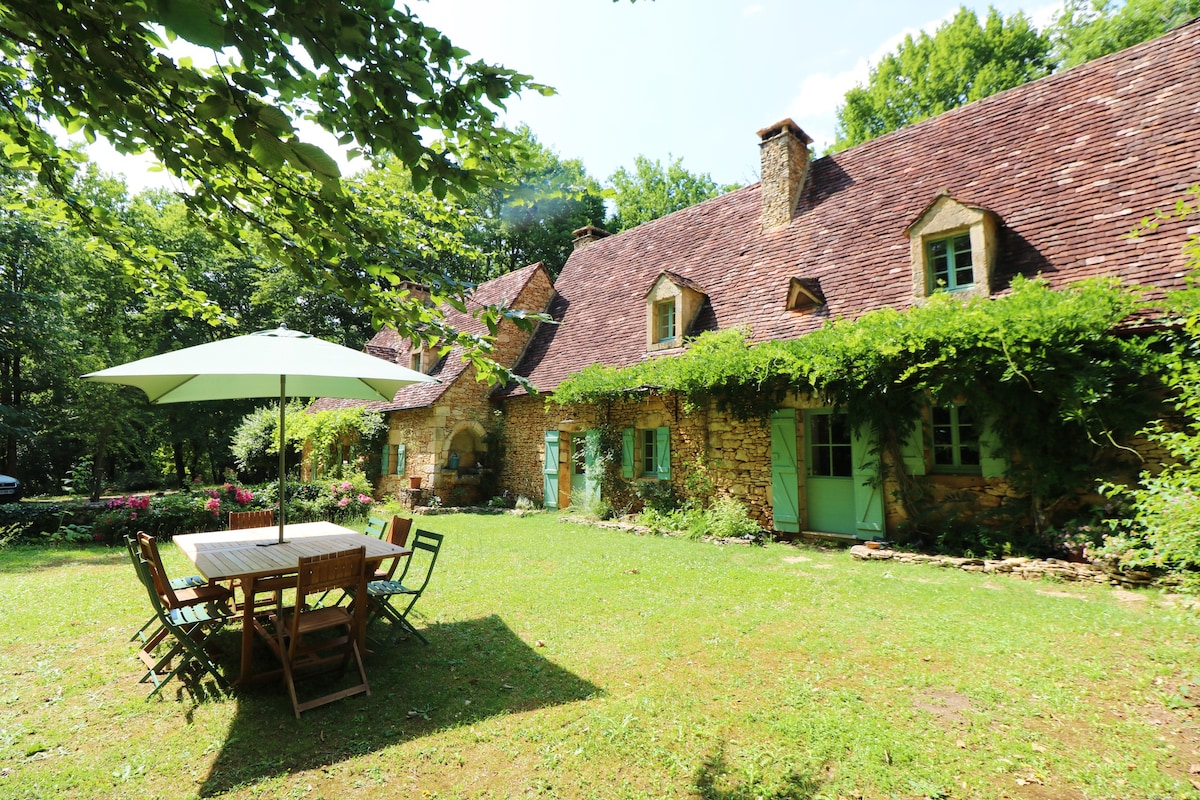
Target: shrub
[(727, 518), (590, 505)]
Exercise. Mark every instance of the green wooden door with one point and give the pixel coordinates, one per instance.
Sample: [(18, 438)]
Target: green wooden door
[(868, 491), (829, 481), (785, 473), (593, 469)]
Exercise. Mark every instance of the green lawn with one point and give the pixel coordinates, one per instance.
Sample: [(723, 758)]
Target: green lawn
[(572, 662)]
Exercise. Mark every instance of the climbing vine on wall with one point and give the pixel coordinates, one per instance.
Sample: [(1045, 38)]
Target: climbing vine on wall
[(1042, 365)]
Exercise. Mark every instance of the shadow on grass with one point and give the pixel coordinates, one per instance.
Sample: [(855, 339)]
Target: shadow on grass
[(470, 671), (713, 782)]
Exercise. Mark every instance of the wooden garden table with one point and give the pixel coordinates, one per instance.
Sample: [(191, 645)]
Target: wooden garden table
[(241, 555)]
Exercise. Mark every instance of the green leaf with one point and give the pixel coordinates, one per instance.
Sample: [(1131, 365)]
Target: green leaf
[(194, 21), (212, 107), (274, 119), (268, 150), (316, 159)]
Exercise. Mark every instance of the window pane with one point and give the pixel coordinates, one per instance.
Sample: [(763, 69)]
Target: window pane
[(968, 456), (820, 429), (649, 455), (822, 461), (842, 462), (664, 313)]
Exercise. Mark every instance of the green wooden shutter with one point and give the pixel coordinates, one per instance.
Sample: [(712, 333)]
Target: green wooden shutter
[(401, 460), (627, 453), (383, 459), (992, 462), (913, 449), (785, 482), (550, 471), (868, 493), (662, 453)]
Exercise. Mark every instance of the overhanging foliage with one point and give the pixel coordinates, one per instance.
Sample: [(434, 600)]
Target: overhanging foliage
[(1043, 366)]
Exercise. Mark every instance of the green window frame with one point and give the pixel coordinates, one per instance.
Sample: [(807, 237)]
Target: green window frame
[(830, 441), (393, 460), (655, 455), (950, 264), (664, 320), (955, 445)]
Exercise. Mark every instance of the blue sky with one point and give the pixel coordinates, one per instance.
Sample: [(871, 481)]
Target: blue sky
[(689, 79)]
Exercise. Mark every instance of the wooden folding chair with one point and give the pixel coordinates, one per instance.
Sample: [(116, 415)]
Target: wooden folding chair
[(297, 630), (186, 582), (394, 532), (240, 520), (380, 593), (185, 630), (397, 534), (172, 595)]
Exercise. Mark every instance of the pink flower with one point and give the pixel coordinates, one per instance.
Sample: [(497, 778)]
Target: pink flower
[(345, 501), (364, 499), (213, 505), (347, 486), (244, 496)]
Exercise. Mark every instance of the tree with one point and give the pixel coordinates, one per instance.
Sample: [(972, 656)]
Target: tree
[(532, 215), (1083, 31), (652, 191), (961, 62), (372, 75)]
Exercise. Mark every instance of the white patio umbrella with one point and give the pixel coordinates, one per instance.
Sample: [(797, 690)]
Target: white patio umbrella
[(278, 363)]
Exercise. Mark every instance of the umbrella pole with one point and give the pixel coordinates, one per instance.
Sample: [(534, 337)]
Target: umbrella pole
[(282, 466)]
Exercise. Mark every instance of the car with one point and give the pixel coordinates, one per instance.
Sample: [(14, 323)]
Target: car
[(11, 490)]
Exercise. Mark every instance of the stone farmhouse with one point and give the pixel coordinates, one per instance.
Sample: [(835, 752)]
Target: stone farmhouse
[(1044, 179), (440, 434)]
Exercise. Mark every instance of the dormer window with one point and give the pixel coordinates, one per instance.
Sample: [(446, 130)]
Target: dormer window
[(953, 247), (664, 321), (414, 360), (672, 304), (804, 294), (950, 264)]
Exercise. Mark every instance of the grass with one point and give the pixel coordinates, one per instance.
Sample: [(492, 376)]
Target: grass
[(573, 662)]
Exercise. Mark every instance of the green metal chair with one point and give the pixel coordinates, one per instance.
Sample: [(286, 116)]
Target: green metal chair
[(184, 631), (174, 593), (394, 599), (376, 527)]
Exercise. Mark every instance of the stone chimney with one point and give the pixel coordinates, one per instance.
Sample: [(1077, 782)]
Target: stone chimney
[(417, 290), (784, 150), (586, 235)]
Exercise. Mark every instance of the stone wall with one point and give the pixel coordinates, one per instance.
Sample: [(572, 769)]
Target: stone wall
[(735, 456), (449, 445), (1018, 567)]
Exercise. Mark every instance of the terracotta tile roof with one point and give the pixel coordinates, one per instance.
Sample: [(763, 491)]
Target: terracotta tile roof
[(391, 346), (1069, 163)]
